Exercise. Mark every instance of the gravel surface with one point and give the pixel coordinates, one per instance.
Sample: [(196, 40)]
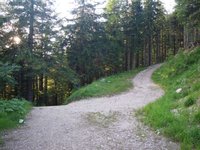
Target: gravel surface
[(106, 123)]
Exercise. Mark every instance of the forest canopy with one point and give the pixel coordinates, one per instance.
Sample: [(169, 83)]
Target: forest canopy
[(43, 57)]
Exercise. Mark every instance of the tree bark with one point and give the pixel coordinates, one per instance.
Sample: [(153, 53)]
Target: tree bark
[(137, 59), (149, 50), (45, 90), (30, 46)]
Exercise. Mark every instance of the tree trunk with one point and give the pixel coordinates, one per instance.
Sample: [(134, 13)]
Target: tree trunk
[(36, 89), (55, 95), (174, 44), (133, 63), (186, 41), (137, 59), (45, 90), (144, 53), (30, 46), (30, 89), (149, 50), (23, 83), (158, 48), (131, 59), (41, 89), (126, 57)]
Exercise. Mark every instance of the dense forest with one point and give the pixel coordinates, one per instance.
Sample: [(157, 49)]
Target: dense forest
[(43, 57)]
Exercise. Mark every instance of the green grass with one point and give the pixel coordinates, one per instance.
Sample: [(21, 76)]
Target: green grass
[(105, 87), (11, 111), (177, 115)]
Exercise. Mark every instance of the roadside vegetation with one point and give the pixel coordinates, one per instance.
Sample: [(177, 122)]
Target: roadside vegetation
[(13, 112), (105, 86), (177, 113), (45, 56)]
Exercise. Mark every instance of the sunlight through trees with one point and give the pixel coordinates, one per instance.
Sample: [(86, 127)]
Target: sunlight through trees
[(55, 56)]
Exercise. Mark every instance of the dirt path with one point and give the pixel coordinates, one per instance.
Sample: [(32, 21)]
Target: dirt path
[(106, 123)]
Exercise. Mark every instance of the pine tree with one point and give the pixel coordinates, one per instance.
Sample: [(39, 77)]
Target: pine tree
[(154, 13), (137, 24), (188, 13), (85, 39)]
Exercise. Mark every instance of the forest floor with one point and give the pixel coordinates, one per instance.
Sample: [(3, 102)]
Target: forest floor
[(104, 123)]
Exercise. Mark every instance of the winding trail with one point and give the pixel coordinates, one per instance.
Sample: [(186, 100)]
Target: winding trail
[(106, 123)]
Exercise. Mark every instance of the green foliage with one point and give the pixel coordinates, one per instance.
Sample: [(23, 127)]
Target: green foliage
[(137, 23), (105, 86), (41, 58), (6, 74), (114, 14), (87, 53), (55, 55), (11, 111), (197, 117), (188, 11), (62, 76), (169, 114)]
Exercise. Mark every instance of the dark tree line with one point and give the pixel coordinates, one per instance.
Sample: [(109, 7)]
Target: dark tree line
[(43, 60), (31, 39)]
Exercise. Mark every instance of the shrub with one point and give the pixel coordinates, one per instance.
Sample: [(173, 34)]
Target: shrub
[(11, 111)]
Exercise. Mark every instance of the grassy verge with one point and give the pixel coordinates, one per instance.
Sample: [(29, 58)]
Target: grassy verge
[(177, 113), (104, 87), (11, 112)]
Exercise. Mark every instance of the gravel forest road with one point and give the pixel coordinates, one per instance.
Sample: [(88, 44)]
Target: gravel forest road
[(106, 123)]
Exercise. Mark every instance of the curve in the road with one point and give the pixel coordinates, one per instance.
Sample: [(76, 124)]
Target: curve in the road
[(106, 123)]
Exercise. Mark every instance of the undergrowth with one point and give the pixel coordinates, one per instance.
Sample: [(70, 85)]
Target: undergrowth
[(11, 111), (177, 113), (105, 86)]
